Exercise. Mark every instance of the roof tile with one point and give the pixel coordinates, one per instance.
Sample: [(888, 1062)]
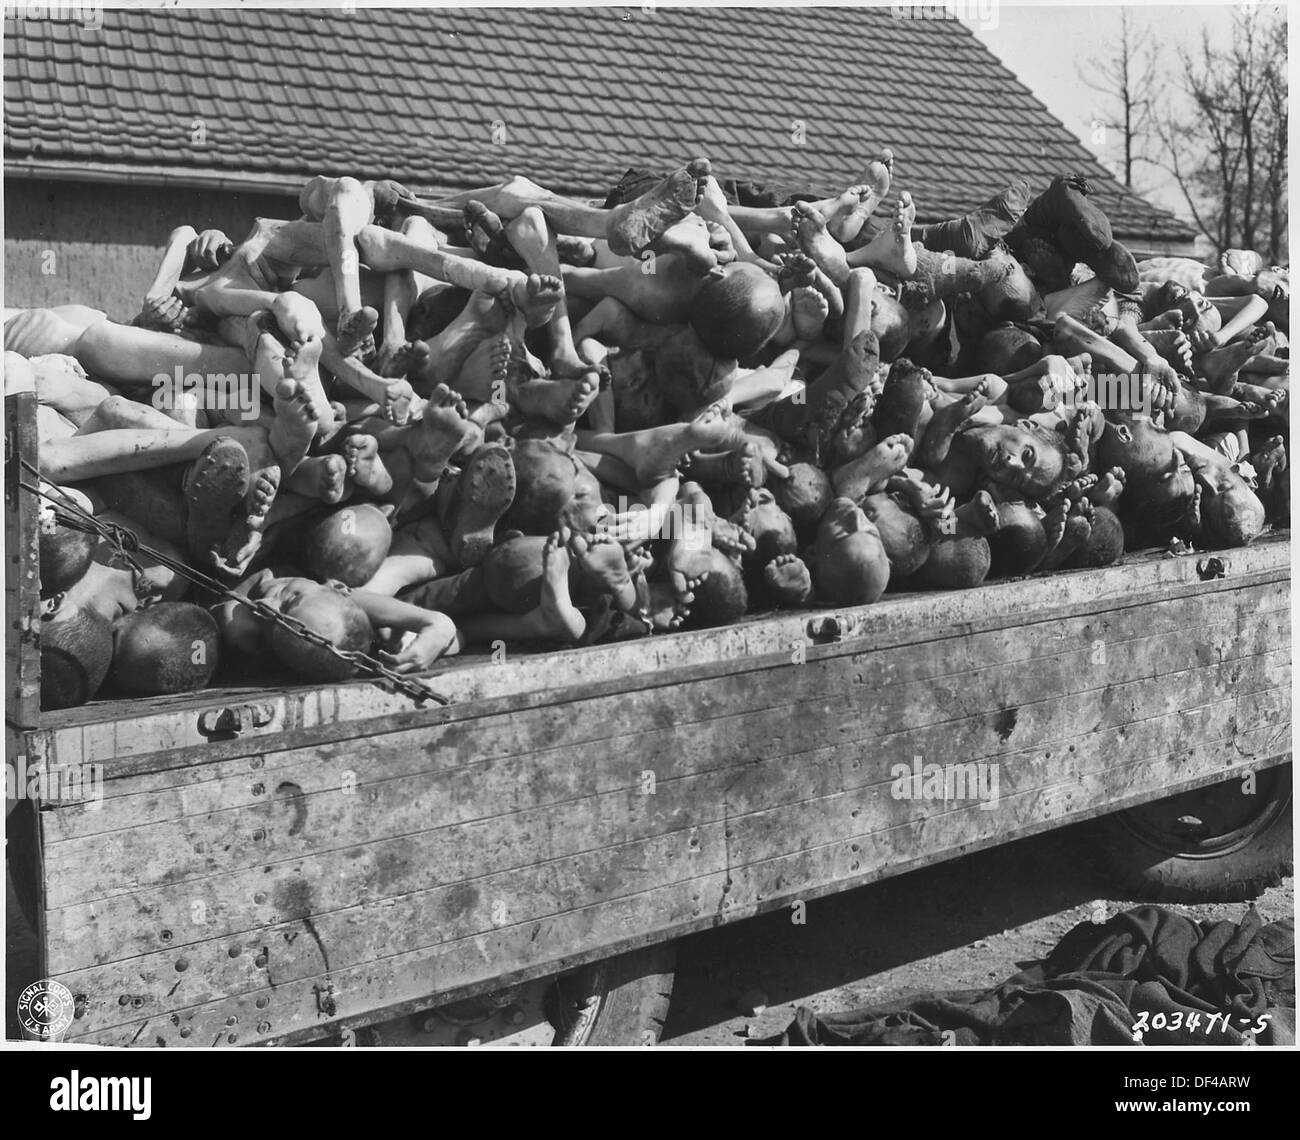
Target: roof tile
[(411, 93)]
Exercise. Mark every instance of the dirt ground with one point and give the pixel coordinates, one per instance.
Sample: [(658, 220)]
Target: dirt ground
[(964, 924)]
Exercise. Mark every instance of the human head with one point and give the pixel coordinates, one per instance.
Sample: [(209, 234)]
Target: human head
[(737, 310), (1023, 456), (1013, 297), (545, 480), (689, 376), (171, 647), (1007, 349), (434, 310), (1105, 543), (955, 563), (901, 532), (1198, 311), (324, 608), (770, 526), (512, 573), (65, 556), (1159, 484), (850, 566), (76, 646), (721, 598), (348, 545), (1231, 513), (804, 496), (586, 505), (1019, 542)]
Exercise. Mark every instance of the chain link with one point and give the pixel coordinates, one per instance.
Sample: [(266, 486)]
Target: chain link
[(128, 543)]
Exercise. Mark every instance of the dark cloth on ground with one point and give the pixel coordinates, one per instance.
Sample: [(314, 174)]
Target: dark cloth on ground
[(1146, 964)]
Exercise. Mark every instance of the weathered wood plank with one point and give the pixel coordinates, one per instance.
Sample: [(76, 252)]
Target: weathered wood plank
[(719, 896), (749, 835), (175, 792), (127, 925), (179, 793), (229, 904), (22, 568), (101, 731), (265, 832)]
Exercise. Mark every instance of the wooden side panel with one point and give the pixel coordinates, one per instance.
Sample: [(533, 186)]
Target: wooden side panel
[(259, 898), (163, 733), (22, 573)]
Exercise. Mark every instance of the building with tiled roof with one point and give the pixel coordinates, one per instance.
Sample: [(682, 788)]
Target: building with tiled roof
[(218, 114)]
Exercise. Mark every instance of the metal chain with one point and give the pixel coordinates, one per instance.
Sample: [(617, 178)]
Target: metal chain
[(128, 543)]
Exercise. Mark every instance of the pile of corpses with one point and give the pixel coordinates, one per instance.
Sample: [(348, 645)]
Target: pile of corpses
[(413, 426)]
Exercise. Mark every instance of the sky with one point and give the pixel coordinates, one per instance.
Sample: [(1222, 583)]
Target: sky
[(1029, 38)]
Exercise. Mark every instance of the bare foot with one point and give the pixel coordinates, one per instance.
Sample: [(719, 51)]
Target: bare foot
[(855, 434), (788, 580), (741, 467), (1174, 347), (485, 233), (215, 485), (484, 375), (562, 402), (320, 477), (1270, 463), (1220, 367), (296, 423), (892, 250), (365, 468), (671, 601), (979, 516), (354, 329), (814, 239), (406, 359), (439, 435), (809, 310), (245, 536), (1108, 488), (657, 451), (485, 492), (535, 296), (692, 238), (600, 557), (556, 616), (579, 251), (858, 478), (870, 193), (636, 225)]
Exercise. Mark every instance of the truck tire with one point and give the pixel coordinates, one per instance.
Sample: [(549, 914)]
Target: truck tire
[(621, 1001), (1213, 844)]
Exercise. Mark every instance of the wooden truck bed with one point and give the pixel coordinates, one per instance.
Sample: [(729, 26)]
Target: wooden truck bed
[(347, 857)]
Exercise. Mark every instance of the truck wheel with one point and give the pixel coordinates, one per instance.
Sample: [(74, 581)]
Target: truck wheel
[(620, 1001), (1213, 844)]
